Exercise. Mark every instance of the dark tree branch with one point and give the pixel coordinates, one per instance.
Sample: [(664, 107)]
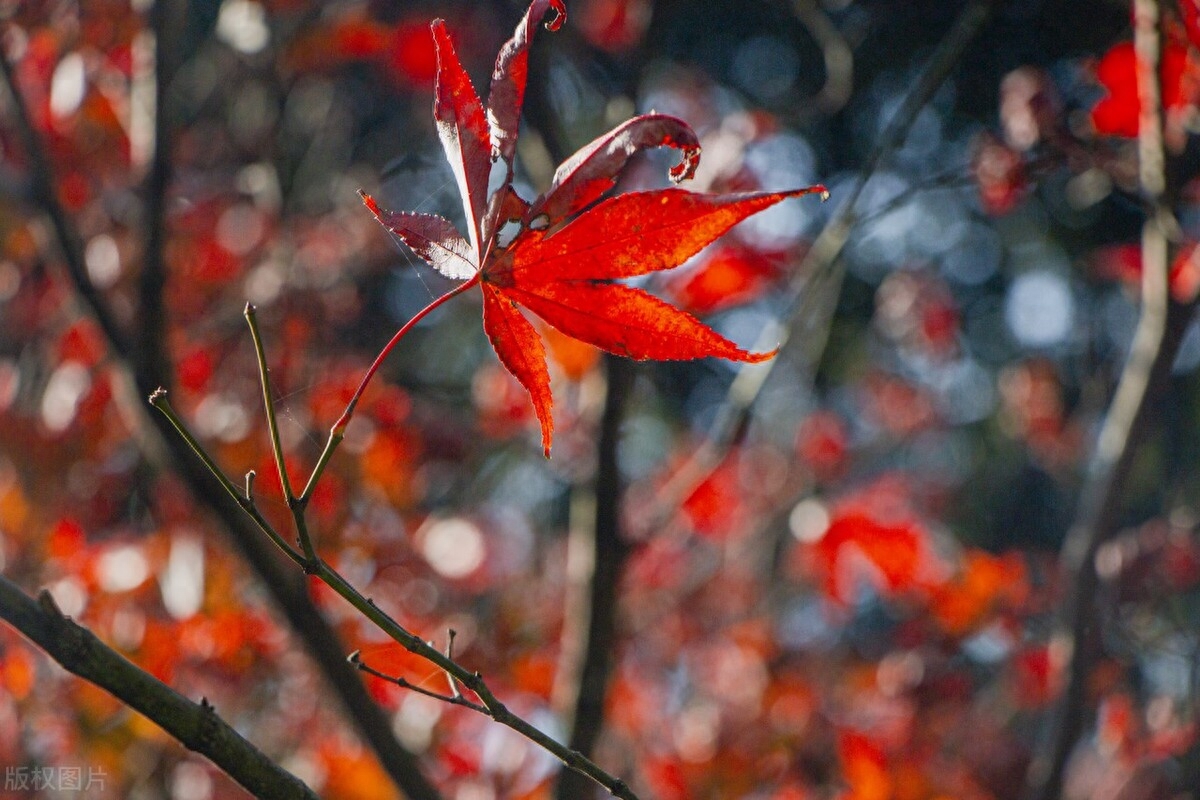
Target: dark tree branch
[(159, 441), (197, 727), (590, 628), (167, 19), (598, 615), (1129, 422), (589, 635), (1130, 417), (41, 187)]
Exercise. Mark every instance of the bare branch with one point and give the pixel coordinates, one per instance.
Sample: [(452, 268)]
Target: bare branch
[(196, 726), (316, 566), (455, 699), (593, 630), (472, 681), (1160, 330)]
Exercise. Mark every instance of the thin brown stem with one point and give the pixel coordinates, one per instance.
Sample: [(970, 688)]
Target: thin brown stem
[(455, 699), (472, 681), (338, 431), (1160, 329), (295, 505)]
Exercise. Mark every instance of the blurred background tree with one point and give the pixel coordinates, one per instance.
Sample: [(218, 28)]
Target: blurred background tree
[(846, 574)]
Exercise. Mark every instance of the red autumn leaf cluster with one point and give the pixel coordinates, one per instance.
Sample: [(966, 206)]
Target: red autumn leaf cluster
[(571, 245), (1123, 263), (402, 51), (1117, 113)]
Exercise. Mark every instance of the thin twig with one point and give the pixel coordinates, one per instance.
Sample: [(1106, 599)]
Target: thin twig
[(167, 20), (812, 295), (264, 376), (295, 505), (1156, 341), (42, 187), (158, 399), (314, 565), (450, 655), (473, 681), (196, 726), (455, 699)]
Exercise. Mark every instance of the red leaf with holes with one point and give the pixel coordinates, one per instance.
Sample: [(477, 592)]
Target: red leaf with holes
[(507, 93), (571, 243)]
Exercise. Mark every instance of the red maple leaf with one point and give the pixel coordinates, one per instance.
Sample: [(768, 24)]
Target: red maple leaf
[(571, 245)]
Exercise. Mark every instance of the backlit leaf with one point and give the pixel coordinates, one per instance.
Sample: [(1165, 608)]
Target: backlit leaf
[(462, 127), (431, 237), (522, 353), (571, 244), (507, 94), (628, 235)]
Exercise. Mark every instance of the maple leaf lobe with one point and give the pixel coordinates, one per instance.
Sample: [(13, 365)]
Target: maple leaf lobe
[(463, 130)]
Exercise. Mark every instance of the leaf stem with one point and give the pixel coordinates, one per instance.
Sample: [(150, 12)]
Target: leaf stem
[(338, 431), (159, 400)]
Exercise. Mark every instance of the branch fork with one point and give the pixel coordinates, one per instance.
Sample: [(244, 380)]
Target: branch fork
[(305, 556)]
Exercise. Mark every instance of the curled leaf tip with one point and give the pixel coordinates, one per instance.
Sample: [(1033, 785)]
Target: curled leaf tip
[(560, 16), (686, 168), (758, 358)]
